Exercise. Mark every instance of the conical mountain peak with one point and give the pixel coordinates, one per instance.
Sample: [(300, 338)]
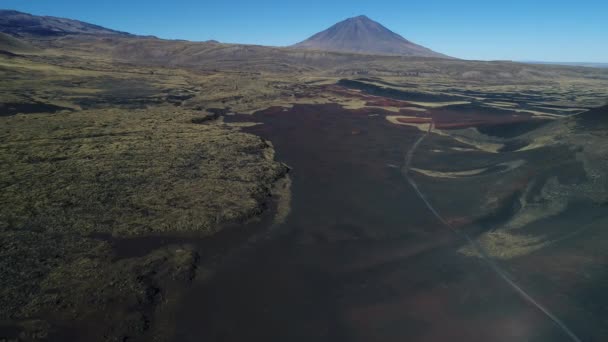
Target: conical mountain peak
[(363, 35)]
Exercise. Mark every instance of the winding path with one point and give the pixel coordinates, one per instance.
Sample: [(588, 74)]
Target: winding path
[(476, 246)]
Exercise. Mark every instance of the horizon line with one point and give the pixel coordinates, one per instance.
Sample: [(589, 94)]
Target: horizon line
[(518, 60)]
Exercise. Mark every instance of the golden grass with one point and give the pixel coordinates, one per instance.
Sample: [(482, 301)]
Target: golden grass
[(129, 172)]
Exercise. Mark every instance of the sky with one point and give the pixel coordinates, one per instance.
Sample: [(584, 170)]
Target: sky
[(522, 30)]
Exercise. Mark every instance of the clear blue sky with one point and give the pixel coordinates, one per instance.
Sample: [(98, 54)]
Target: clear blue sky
[(543, 30)]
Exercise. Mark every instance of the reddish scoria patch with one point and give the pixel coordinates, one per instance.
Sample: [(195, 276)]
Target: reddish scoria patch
[(459, 222), (385, 102), (415, 120), (450, 119), (371, 100), (443, 118), (457, 120)]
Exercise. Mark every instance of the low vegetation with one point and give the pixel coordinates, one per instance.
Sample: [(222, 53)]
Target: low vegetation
[(130, 173)]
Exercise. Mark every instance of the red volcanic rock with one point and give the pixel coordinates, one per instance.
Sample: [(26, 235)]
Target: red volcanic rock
[(412, 111), (440, 117), (451, 119), (441, 124), (459, 222), (384, 102), (415, 120), (456, 125)]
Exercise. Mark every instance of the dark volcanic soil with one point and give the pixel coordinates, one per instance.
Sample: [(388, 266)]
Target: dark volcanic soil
[(8, 109), (360, 257)]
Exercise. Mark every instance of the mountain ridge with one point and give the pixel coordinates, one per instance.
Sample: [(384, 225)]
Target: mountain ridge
[(24, 24)]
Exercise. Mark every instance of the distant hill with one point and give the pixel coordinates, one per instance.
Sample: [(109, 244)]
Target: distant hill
[(583, 64), (363, 35), (23, 25)]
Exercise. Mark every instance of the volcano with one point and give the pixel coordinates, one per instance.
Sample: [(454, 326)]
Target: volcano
[(363, 35)]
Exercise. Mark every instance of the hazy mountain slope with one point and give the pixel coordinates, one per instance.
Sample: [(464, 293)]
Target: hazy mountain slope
[(23, 24), (363, 35), (211, 56), (12, 44)]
